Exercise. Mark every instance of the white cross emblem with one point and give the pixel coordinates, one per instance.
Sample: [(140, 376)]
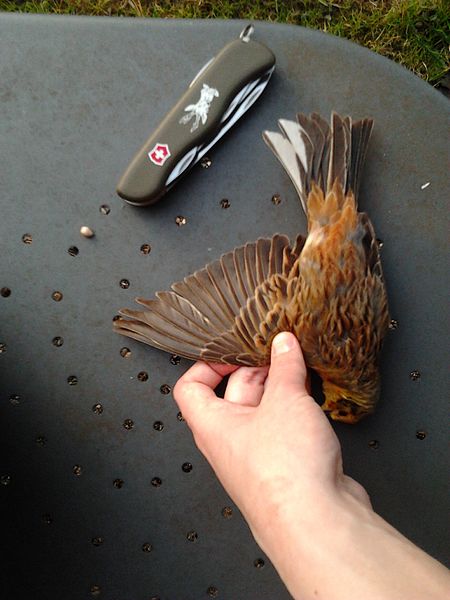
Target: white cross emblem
[(159, 154)]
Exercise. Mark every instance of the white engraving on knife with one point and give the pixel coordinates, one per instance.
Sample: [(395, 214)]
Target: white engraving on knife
[(199, 111)]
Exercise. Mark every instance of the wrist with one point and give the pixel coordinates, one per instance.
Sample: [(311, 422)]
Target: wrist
[(311, 543), (287, 520), (339, 548)]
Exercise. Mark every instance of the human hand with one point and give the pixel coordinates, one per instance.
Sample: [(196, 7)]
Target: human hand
[(268, 441), (276, 454)]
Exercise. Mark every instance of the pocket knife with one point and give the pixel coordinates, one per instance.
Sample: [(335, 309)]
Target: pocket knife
[(221, 92)]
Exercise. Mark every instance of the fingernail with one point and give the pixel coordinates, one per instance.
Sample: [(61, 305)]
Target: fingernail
[(282, 343)]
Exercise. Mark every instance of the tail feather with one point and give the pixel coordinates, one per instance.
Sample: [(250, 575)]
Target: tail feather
[(285, 152), (340, 148), (313, 152), (317, 131), (361, 132)]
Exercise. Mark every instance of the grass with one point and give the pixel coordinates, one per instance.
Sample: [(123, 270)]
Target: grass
[(414, 33)]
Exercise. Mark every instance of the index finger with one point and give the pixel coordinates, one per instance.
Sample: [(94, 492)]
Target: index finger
[(196, 387), (210, 374)]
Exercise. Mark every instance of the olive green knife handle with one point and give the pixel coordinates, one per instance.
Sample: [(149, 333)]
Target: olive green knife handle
[(221, 92)]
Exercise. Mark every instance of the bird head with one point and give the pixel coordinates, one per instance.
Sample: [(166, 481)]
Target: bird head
[(350, 405)]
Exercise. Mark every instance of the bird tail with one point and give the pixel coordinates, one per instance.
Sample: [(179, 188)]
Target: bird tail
[(313, 152)]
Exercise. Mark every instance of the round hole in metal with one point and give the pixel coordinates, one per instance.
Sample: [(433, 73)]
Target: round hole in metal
[(128, 424), (206, 162), (47, 518), (27, 238), (421, 434), (158, 425), (97, 541), (125, 352), (124, 284), (118, 483), (147, 547), (165, 389), (258, 563), (104, 209), (41, 440), (180, 220), (72, 380), (5, 292), (374, 444), (97, 408), (227, 512), (14, 399), (393, 324), (276, 199), (58, 341), (180, 416), (5, 479), (156, 482), (77, 470), (380, 243), (175, 359), (415, 375), (73, 251), (225, 203), (57, 296), (186, 467), (142, 376), (192, 536), (212, 591), (95, 590), (2, 348), (146, 249)]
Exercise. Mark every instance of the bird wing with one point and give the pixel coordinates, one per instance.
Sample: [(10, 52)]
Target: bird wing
[(227, 312)]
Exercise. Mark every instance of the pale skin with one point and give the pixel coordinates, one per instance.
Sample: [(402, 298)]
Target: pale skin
[(276, 454)]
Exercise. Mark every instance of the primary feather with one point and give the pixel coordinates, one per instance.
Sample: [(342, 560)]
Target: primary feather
[(328, 288), (226, 312)]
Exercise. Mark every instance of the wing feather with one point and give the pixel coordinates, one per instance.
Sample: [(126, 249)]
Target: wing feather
[(227, 312), (250, 268), (192, 288), (262, 260)]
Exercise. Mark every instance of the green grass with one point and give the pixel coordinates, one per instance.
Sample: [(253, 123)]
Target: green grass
[(415, 33)]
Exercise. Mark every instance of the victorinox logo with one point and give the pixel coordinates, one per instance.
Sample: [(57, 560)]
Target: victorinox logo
[(159, 154)]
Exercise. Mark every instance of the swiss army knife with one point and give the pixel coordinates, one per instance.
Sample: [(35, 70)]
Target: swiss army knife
[(221, 92)]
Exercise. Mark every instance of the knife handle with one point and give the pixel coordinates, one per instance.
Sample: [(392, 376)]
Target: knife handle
[(218, 96)]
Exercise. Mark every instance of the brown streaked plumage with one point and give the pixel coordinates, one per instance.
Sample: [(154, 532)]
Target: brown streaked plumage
[(327, 288)]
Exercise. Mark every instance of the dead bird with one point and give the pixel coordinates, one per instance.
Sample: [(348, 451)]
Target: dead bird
[(327, 288)]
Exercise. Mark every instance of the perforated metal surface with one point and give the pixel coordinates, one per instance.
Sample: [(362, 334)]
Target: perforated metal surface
[(103, 492)]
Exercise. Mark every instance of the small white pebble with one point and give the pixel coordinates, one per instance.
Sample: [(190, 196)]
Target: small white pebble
[(425, 185), (87, 232)]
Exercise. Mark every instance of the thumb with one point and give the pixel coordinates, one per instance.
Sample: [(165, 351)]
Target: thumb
[(287, 366)]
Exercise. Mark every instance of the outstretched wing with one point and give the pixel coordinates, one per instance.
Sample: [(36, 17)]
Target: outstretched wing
[(227, 312)]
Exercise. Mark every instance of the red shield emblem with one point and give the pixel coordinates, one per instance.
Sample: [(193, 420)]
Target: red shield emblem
[(159, 154)]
